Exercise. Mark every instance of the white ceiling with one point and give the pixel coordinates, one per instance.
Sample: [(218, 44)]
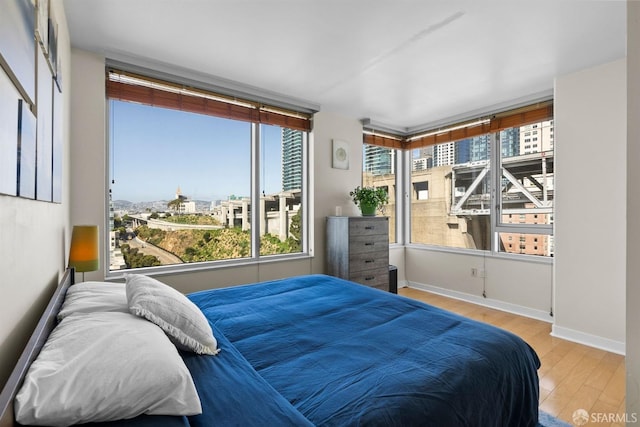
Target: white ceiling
[(403, 63)]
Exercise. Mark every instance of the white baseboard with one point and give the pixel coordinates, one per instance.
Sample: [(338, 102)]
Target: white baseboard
[(588, 339), (556, 331), (486, 302)]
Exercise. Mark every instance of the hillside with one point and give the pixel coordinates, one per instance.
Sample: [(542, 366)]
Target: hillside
[(211, 245)]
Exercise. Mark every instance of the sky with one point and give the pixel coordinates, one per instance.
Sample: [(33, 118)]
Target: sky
[(154, 151)]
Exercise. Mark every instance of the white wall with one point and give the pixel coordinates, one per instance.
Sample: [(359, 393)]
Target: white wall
[(34, 238), (332, 186), (518, 286), (87, 127), (590, 203), (632, 359)]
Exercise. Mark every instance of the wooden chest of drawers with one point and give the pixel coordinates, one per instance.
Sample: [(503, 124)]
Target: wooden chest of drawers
[(358, 249)]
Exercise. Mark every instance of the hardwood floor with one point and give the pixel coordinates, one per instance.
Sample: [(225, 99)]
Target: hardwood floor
[(572, 376)]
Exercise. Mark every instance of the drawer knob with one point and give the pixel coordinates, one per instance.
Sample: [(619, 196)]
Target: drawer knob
[(369, 278), (369, 244), (369, 261), (370, 227)]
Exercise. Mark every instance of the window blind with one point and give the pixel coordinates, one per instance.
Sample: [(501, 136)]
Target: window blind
[(384, 140), (537, 112), (125, 86)]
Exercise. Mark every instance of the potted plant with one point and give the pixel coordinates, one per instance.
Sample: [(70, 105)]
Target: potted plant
[(369, 199)]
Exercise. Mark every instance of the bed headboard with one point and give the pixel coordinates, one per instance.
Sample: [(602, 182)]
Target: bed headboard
[(40, 334)]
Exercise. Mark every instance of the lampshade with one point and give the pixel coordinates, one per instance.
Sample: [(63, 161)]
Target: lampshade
[(84, 255)]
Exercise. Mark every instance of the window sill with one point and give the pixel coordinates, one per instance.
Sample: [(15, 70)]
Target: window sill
[(483, 253), (118, 275)]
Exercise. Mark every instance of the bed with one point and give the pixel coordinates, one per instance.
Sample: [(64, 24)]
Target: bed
[(318, 350)]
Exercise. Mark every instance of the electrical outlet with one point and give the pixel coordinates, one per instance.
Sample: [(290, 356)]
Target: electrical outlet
[(481, 273)]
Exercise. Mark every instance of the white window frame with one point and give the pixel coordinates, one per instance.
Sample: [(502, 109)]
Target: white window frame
[(495, 212)]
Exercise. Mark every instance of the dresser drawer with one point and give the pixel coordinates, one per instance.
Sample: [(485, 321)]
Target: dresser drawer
[(368, 227), (366, 244), (368, 260), (358, 249), (378, 278)]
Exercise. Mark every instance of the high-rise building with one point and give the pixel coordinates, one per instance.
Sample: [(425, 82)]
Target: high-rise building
[(378, 160), (479, 148), (510, 142), (536, 137), (422, 158), (291, 159), (444, 154), (463, 151)]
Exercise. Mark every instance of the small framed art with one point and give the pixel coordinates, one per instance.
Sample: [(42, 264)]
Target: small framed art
[(340, 154)]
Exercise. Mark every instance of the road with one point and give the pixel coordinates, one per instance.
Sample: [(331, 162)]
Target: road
[(166, 258)]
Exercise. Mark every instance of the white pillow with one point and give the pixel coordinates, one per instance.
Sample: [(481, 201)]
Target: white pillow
[(180, 318), (90, 297), (105, 367)]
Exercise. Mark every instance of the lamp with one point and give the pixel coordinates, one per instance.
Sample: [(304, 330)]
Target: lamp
[(84, 253)]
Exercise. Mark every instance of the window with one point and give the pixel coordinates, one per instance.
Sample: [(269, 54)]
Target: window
[(459, 211), (421, 190), (475, 185), (190, 184), (456, 212), (526, 183), (379, 170), (282, 166)]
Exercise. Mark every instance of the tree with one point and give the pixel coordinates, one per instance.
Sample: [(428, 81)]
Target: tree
[(135, 259), (295, 229), (175, 204)]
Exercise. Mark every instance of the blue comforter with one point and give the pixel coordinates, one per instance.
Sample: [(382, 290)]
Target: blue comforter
[(317, 350)]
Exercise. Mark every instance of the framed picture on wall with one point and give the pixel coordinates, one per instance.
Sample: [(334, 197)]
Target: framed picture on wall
[(26, 177), (56, 184), (53, 46), (42, 24), (8, 135), (340, 154), (58, 75), (44, 132), (18, 45)]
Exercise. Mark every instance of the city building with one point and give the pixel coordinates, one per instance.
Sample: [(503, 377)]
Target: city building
[(291, 159), (181, 204), (379, 160), (536, 137), (444, 154)]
